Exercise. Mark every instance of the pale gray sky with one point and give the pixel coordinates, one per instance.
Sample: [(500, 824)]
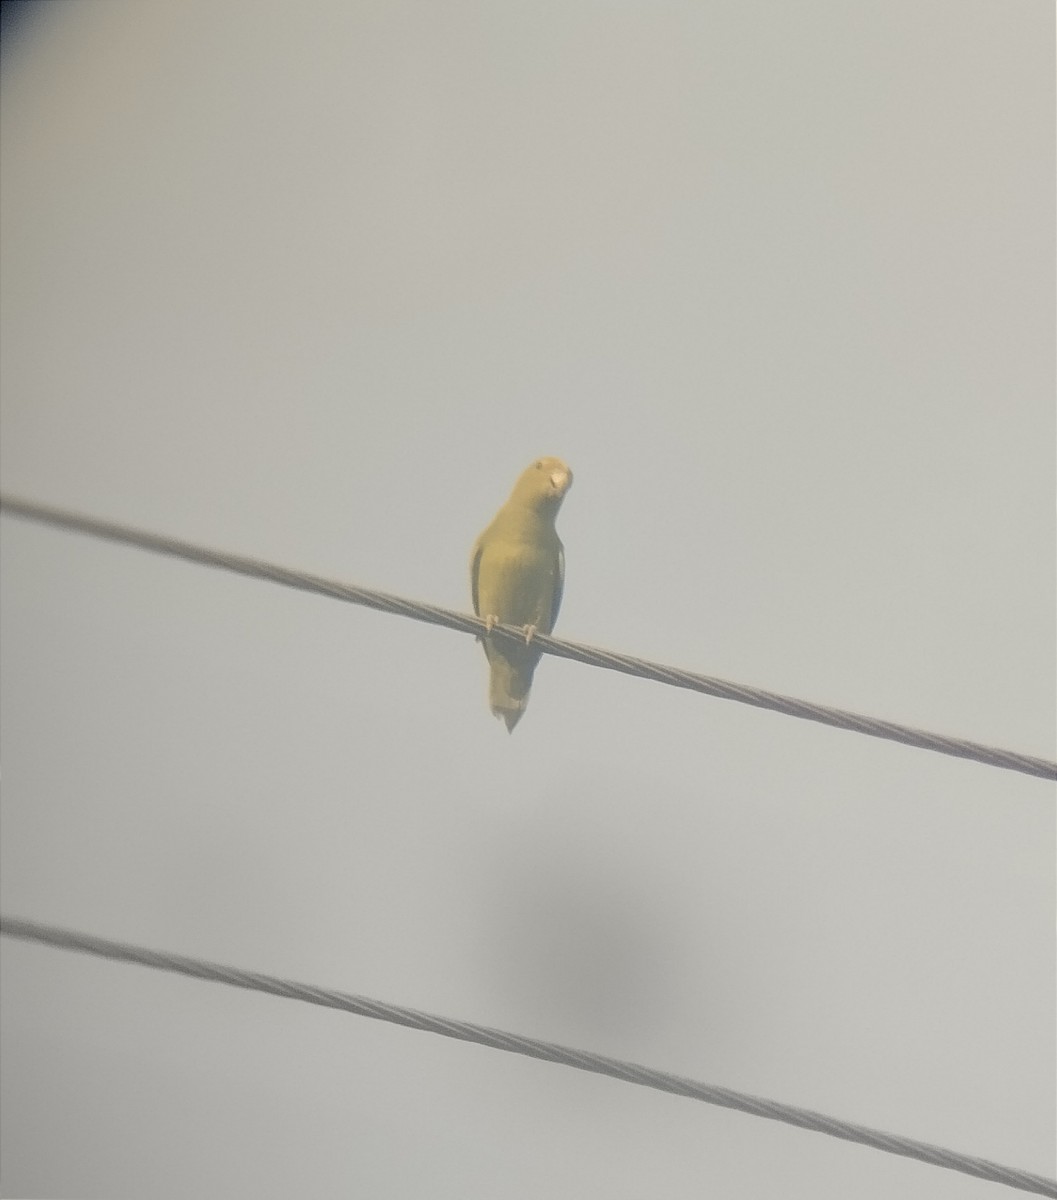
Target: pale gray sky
[(315, 284)]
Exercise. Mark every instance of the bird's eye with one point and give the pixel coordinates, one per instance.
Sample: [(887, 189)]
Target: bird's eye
[(539, 465)]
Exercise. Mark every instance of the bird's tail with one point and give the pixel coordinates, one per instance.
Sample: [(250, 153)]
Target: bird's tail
[(511, 679)]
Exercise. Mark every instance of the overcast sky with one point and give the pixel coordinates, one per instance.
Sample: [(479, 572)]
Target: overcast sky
[(315, 284)]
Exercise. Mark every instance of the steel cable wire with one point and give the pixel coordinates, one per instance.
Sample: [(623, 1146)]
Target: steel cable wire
[(499, 1039), (591, 656)]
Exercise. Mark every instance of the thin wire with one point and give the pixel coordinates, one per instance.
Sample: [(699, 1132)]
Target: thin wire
[(591, 656), (583, 1060)]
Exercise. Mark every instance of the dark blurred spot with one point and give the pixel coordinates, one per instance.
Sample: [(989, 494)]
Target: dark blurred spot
[(579, 944), (15, 17)]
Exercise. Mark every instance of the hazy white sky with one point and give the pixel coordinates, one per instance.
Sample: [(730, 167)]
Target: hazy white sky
[(315, 284)]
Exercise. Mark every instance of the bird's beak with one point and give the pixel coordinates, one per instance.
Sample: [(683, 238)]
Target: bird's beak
[(561, 481)]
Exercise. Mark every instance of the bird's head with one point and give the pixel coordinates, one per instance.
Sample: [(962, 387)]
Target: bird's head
[(545, 483)]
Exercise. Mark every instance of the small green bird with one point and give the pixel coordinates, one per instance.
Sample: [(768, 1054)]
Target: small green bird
[(516, 576)]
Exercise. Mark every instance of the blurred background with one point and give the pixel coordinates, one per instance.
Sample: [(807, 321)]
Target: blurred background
[(315, 284)]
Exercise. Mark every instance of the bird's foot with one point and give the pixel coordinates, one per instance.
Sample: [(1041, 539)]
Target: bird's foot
[(490, 622), (530, 633)]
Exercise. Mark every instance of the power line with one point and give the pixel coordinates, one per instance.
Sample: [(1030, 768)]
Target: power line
[(498, 1039), (590, 655)]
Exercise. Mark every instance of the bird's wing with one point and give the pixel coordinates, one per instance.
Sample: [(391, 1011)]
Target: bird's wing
[(559, 585), (475, 570)]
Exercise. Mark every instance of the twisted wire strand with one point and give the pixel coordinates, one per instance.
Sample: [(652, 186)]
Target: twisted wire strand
[(589, 655), (498, 1039)]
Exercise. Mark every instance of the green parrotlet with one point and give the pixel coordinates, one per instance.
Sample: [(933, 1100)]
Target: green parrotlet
[(516, 576)]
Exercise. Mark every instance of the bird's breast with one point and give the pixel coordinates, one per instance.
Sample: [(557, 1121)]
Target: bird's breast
[(516, 584)]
